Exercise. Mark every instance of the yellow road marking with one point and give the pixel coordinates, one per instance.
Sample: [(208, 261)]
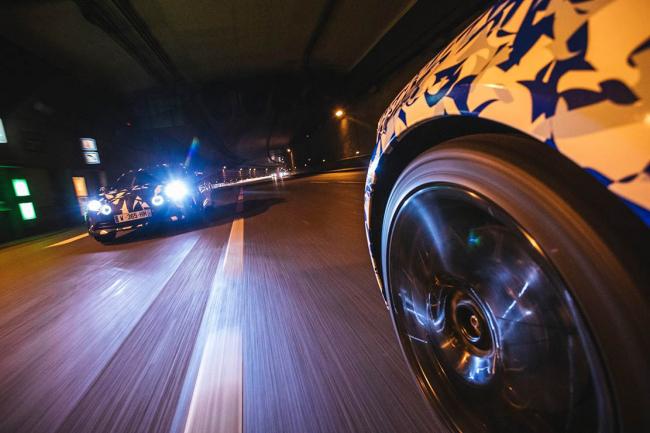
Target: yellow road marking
[(67, 241)]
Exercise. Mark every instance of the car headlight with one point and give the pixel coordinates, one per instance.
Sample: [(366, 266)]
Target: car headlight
[(157, 200), (94, 205), (105, 209), (176, 190)]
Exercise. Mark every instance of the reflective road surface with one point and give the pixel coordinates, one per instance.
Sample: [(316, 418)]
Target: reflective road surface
[(266, 318)]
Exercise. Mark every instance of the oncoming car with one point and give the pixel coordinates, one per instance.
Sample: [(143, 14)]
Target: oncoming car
[(507, 206), (140, 197)]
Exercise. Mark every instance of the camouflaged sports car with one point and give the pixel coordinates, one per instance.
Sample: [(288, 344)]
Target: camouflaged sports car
[(507, 211), (141, 197)]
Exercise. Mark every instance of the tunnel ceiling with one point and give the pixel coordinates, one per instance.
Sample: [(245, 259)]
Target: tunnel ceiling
[(247, 75), (202, 40)]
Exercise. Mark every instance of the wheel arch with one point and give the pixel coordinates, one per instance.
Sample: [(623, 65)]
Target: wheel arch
[(436, 131), (411, 143)]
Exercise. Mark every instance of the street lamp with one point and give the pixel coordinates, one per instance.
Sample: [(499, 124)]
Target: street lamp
[(293, 166), (339, 113)]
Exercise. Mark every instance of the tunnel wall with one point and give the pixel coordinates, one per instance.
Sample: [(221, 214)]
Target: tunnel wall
[(45, 113), (336, 140)]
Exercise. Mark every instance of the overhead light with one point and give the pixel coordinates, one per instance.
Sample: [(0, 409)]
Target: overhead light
[(339, 113)]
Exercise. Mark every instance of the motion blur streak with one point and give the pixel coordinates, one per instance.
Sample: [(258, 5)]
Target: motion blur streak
[(110, 338), (216, 405)]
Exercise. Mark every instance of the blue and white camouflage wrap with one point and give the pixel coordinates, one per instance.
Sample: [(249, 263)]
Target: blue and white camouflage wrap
[(574, 74)]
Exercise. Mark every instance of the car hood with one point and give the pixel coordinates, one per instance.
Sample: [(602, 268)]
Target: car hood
[(131, 199)]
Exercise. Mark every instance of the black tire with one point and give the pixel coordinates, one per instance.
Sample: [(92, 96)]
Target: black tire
[(105, 239), (591, 251)]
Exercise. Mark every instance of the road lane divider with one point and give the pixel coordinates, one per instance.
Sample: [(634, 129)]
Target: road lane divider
[(211, 400), (68, 241)]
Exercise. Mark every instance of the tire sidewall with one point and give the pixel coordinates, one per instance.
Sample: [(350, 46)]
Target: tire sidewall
[(613, 308)]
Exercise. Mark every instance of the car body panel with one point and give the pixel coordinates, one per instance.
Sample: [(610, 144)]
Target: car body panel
[(138, 197), (572, 74)]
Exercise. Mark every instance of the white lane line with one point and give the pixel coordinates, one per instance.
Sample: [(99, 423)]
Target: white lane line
[(318, 181), (240, 200), (348, 181), (67, 241), (216, 384)]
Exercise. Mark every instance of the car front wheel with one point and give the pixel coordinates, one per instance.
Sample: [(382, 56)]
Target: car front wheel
[(105, 238), (512, 309)]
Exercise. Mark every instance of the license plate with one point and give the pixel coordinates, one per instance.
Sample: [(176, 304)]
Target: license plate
[(145, 213)]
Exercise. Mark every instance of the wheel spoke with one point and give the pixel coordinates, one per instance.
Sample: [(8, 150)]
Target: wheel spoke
[(484, 318)]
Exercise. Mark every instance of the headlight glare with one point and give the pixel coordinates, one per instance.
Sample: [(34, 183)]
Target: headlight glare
[(105, 209), (176, 190), (94, 205)]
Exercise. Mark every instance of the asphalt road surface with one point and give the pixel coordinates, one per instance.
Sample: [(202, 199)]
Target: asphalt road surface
[(265, 318)]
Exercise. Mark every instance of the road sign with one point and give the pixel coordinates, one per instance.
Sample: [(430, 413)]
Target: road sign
[(91, 157), (88, 145)]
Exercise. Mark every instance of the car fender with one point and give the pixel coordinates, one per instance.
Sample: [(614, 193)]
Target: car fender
[(574, 75)]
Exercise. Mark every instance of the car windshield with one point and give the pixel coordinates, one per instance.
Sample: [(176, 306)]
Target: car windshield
[(144, 177), (124, 181)]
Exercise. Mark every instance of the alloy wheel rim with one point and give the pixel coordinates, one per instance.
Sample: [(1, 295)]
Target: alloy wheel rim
[(491, 332)]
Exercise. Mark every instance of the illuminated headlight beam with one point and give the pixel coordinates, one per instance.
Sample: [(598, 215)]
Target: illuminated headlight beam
[(176, 190), (94, 205)]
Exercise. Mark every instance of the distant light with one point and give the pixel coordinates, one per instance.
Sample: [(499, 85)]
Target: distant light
[(224, 167), (79, 183), (157, 200), (20, 187), (94, 205), (27, 211), (323, 160), (339, 113), (356, 153), (106, 210), (3, 136), (289, 150)]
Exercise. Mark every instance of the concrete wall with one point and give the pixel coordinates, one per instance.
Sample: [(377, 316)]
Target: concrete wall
[(43, 127)]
